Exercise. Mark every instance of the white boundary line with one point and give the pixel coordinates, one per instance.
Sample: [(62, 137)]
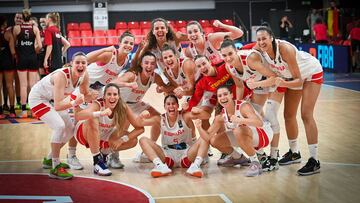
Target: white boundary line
[(222, 196), (342, 88), (151, 199)]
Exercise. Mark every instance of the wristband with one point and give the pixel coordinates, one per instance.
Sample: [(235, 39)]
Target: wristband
[(96, 114), (73, 103), (125, 138)]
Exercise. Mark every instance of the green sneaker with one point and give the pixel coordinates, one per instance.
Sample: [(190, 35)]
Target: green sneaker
[(47, 164), (60, 172), (27, 106), (17, 106)]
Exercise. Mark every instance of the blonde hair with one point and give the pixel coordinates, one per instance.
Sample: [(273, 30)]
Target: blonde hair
[(55, 18), (119, 111), (26, 14)]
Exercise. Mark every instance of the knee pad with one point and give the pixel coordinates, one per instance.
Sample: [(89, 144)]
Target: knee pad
[(272, 108), (185, 162), (169, 162)]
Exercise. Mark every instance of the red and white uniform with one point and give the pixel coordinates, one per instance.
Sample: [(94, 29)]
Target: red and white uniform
[(105, 73), (157, 52), (209, 51), (262, 136), (39, 100), (310, 67), (106, 129), (172, 137), (133, 96), (180, 78), (248, 73)]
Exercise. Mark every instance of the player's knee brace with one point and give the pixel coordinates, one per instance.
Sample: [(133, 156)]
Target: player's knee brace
[(272, 108), (58, 133)]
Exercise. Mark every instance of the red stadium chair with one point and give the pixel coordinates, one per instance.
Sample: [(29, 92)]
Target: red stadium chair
[(87, 41), (85, 26), (112, 40), (111, 33), (99, 33), (145, 24), (100, 41), (120, 31), (120, 25), (72, 26), (73, 33), (145, 31), (227, 22), (136, 32), (182, 29), (180, 23), (133, 25), (205, 23), (208, 30), (138, 39), (75, 42), (86, 33)]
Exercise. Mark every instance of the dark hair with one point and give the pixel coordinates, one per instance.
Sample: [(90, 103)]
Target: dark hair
[(273, 42), (26, 14), (200, 56), (227, 42), (167, 47), (79, 53), (171, 96), (3, 19), (266, 24), (137, 67), (127, 33), (195, 23), (318, 21), (170, 35)]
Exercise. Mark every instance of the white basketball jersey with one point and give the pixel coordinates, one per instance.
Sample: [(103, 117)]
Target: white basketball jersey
[(106, 125), (105, 73), (181, 79), (44, 88), (176, 134), (209, 51), (308, 64), (134, 95)]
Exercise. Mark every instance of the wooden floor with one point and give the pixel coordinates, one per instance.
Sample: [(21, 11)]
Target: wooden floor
[(22, 146)]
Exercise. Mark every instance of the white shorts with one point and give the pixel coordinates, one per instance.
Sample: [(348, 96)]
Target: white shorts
[(138, 107), (176, 155)]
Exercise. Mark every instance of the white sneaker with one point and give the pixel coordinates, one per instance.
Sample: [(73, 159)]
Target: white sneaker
[(101, 169), (160, 170), (141, 158), (195, 170), (255, 169), (74, 163), (114, 161)]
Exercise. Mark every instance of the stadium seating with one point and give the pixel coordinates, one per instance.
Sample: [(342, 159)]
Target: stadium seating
[(72, 26), (75, 42), (133, 25), (100, 41), (120, 25), (99, 33), (73, 33), (85, 26), (145, 24)]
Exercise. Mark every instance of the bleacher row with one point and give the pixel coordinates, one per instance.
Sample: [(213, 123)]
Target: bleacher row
[(82, 34)]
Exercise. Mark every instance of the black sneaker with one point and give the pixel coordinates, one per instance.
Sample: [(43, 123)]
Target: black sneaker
[(262, 157), (311, 167), (270, 164), (290, 158)]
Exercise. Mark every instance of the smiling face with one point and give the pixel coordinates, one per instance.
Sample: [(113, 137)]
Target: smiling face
[(111, 97), (127, 44), (79, 64), (264, 40), (204, 66), (169, 59), (224, 96), (160, 30), (18, 19), (194, 33), (148, 65), (171, 106), (229, 54)]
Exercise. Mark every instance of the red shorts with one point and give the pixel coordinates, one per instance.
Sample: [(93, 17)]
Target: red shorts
[(81, 139), (316, 78)]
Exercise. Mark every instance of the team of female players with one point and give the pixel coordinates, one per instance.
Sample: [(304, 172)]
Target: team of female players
[(244, 87)]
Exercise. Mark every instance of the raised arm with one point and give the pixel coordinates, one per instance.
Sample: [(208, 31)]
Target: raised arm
[(217, 37), (101, 55)]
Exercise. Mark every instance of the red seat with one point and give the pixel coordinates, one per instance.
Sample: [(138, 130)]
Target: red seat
[(145, 24), (99, 33), (120, 31), (120, 25), (100, 41), (112, 40), (75, 42), (180, 23), (72, 26), (182, 29), (111, 33), (136, 32), (87, 41), (138, 39), (133, 25), (227, 22), (145, 31), (73, 33), (86, 33), (85, 26), (208, 30), (205, 23)]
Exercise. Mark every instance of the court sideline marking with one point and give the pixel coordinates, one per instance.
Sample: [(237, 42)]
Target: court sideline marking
[(222, 196)]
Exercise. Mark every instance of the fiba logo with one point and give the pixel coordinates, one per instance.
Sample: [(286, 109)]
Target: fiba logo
[(325, 54)]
